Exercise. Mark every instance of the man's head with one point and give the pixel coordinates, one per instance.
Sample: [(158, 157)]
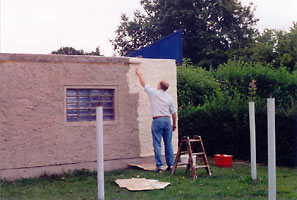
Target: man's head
[(163, 85)]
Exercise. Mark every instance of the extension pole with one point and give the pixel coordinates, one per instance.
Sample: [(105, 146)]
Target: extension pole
[(253, 140), (100, 160), (271, 149)]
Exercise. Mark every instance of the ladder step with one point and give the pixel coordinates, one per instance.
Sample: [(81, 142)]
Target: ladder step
[(198, 154), (194, 154), (201, 166), (194, 140), (197, 166)]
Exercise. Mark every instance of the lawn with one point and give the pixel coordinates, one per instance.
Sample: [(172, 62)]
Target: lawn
[(225, 183)]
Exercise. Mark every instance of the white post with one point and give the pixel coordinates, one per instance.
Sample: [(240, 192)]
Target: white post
[(100, 160), (271, 150), (253, 140)]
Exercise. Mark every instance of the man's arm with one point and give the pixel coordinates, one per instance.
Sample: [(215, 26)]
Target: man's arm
[(141, 80), (173, 122)]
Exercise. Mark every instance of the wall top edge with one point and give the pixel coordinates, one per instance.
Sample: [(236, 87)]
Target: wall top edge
[(136, 60), (62, 58)]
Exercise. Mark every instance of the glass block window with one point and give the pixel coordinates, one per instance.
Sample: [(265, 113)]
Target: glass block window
[(81, 104)]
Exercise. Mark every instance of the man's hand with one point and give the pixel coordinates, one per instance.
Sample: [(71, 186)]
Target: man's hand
[(173, 127), (174, 122)]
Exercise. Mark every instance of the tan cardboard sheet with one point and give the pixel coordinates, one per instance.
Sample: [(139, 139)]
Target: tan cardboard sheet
[(139, 184)]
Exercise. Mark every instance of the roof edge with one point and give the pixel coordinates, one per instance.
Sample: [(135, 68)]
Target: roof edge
[(62, 58)]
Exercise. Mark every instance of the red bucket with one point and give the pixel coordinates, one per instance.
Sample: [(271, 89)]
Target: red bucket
[(223, 160)]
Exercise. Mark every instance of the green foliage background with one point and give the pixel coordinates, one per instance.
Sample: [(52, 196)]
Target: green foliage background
[(214, 104)]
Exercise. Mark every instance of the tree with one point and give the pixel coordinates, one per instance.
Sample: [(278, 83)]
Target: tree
[(73, 51), (94, 53), (286, 49), (275, 47), (261, 50), (210, 27)]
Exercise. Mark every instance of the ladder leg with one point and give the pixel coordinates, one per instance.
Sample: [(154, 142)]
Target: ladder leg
[(190, 162), (191, 148), (205, 160), (177, 157)]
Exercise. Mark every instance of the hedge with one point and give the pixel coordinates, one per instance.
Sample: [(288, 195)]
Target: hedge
[(221, 115)]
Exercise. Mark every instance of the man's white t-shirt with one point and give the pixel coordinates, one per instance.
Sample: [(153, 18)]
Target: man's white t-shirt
[(161, 103)]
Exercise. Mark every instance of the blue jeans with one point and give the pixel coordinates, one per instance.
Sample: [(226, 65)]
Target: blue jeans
[(161, 128)]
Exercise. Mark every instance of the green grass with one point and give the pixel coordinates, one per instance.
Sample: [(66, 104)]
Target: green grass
[(225, 183)]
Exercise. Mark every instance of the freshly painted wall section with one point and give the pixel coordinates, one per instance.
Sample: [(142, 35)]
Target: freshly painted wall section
[(153, 71)]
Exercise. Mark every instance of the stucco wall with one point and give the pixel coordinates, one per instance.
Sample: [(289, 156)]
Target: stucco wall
[(33, 127), (153, 70)]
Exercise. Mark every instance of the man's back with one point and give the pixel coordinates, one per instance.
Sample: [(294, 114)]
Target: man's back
[(161, 103)]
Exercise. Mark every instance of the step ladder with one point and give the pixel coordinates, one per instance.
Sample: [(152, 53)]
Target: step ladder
[(192, 149)]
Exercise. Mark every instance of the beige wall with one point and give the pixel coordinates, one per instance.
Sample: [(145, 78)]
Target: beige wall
[(33, 129), (153, 71)]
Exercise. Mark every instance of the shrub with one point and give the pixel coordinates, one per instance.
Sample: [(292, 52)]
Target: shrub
[(278, 83), (220, 113), (195, 85), (225, 132)]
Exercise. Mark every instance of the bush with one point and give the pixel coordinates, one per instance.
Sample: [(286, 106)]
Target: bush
[(222, 117), (278, 83), (226, 131), (195, 85)]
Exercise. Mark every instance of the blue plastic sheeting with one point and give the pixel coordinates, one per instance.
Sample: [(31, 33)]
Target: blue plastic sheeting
[(169, 47)]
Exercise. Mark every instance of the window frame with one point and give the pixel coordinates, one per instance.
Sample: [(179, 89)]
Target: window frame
[(88, 123)]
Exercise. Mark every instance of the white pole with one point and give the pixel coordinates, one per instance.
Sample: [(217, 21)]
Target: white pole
[(100, 160), (271, 150), (253, 140)]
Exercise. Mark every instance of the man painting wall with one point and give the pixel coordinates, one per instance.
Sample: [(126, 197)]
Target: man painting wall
[(162, 107)]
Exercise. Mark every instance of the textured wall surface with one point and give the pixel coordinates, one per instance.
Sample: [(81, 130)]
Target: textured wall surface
[(33, 129), (153, 71)]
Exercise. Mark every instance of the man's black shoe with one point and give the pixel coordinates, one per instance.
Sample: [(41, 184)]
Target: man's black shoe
[(169, 168)]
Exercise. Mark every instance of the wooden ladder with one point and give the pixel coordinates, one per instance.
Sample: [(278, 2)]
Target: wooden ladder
[(191, 144)]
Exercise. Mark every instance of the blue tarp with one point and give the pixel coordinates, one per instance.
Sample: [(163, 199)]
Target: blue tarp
[(169, 47)]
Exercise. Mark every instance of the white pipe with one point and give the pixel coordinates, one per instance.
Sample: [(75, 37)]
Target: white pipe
[(100, 160), (271, 150), (253, 140)]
